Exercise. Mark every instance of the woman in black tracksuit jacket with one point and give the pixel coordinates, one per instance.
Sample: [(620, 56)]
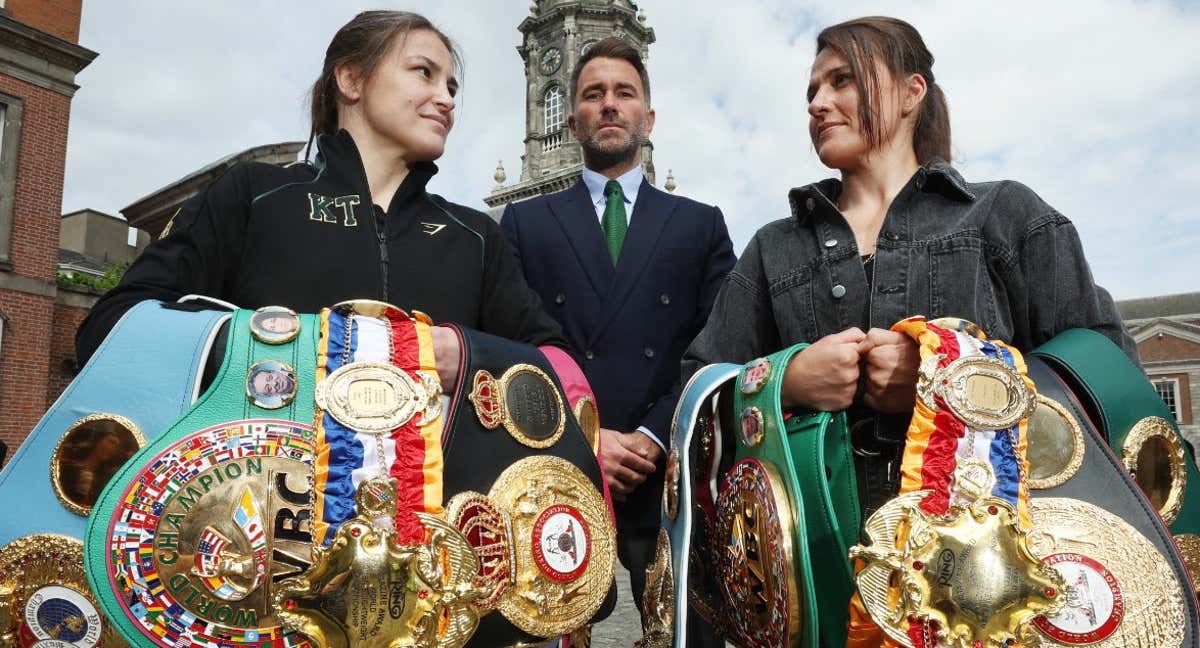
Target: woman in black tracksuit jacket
[(357, 223)]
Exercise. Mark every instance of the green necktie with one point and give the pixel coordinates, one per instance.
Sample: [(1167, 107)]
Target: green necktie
[(614, 222)]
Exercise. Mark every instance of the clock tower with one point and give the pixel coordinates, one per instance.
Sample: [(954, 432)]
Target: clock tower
[(555, 34)]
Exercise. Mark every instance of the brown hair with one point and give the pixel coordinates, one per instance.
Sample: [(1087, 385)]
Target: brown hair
[(362, 42), (615, 48), (866, 42)]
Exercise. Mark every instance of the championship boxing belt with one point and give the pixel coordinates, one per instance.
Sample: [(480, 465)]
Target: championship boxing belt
[(187, 540), (1014, 523), (812, 453), (1137, 425), (683, 558), (524, 486), (49, 486), (1097, 528)]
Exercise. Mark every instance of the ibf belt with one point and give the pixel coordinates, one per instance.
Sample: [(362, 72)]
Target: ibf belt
[(190, 538), (683, 579), (963, 557), (526, 489)]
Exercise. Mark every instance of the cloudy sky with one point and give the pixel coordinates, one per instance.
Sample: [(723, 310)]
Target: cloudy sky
[(1094, 104)]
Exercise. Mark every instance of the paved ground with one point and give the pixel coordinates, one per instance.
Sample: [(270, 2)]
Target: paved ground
[(624, 626)]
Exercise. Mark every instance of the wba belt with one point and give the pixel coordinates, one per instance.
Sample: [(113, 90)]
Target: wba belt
[(52, 482)]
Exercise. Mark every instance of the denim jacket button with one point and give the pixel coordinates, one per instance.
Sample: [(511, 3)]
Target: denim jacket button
[(891, 236), (831, 243), (839, 291), (810, 204)]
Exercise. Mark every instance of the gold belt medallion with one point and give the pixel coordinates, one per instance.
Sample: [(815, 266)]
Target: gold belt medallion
[(983, 392), (563, 541), (374, 397), (756, 563), (972, 573), (208, 528), (658, 603), (45, 599), (524, 400), (1119, 590), (365, 590), (489, 532)]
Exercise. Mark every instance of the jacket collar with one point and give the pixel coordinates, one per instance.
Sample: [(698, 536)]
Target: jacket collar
[(338, 160), (937, 176)]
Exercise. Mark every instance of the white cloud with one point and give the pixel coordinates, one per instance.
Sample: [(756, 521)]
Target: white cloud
[(1092, 105)]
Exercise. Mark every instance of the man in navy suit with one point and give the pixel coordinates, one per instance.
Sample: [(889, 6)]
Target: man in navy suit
[(631, 273)]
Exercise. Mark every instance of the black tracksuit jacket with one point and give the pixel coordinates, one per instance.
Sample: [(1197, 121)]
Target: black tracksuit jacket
[(308, 236)]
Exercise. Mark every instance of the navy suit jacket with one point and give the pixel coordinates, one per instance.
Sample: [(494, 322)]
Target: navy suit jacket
[(627, 326)]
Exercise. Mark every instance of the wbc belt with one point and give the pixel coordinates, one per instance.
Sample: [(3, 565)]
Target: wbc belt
[(188, 539), (52, 482)]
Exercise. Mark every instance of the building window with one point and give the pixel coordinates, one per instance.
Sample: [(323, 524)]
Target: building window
[(1168, 390), (10, 136), (552, 105)]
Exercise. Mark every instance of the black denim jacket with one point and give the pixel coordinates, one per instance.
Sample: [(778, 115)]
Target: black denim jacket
[(993, 253)]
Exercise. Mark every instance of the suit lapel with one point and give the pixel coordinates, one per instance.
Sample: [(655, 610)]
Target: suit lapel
[(650, 215), (577, 217)]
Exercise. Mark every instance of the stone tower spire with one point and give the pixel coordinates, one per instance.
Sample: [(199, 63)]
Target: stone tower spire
[(554, 35)]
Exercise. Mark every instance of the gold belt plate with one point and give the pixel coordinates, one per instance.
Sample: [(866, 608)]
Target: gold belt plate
[(374, 397), (563, 544)]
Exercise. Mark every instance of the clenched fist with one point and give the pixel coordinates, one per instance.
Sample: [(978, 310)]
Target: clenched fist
[(824, 377), (890, 363)]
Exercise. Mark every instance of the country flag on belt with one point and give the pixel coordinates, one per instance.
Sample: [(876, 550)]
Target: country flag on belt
[(344, 458)]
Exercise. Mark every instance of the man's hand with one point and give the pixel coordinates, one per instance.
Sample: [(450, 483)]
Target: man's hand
[(625, 468), (890, 362), (824, 377), (447, 353)]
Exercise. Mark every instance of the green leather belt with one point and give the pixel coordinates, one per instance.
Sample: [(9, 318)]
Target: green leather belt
[(813, 455), (156, 508)]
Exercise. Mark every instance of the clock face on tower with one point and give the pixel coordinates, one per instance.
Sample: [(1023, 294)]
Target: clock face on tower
[(550, 60)]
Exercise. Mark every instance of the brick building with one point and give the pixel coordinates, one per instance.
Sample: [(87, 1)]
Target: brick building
[(1167, 332), (39, 58)]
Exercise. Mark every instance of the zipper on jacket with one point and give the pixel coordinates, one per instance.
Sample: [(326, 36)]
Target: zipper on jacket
[(381, 235)]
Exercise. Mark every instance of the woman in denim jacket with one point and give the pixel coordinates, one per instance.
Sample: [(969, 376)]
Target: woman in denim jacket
[(900, 234)]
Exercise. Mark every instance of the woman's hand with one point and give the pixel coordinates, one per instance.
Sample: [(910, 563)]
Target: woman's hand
[(824, 376), (890, 362), (447, 353)]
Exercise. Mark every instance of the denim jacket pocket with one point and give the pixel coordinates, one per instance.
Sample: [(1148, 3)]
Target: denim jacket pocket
[(792, 304), (961, 284)]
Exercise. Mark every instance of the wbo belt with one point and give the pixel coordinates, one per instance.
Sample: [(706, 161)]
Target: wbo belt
[(53, 481)]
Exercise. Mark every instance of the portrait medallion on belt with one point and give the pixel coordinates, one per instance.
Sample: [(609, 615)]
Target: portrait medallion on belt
[(524, 400), (755, 376), (205, 530), (563, 542), (752, 426), (274, 325), (44, 596), (755, 560)]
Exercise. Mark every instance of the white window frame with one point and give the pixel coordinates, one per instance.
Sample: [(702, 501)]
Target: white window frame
[(1177, 404), (553, 109)]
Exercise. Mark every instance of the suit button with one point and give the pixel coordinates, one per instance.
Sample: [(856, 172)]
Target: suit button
[(649, 352), (589, 355), (839, 291), (664, 298), (560, 298)]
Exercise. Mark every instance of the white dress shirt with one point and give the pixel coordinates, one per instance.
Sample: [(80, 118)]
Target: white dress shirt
[(630, 182)]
